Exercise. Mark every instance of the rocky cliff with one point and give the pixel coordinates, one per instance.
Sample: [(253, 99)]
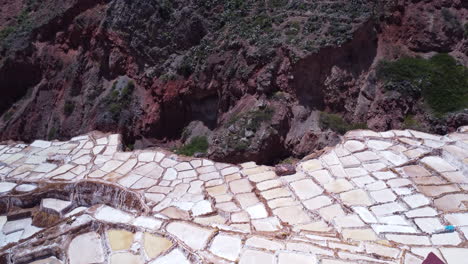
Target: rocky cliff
[(257, 80)]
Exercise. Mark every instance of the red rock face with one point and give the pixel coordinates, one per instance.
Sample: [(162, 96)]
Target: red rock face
[(68, 75)]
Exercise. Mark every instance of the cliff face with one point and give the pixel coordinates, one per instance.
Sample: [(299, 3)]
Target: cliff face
[(251, 76)]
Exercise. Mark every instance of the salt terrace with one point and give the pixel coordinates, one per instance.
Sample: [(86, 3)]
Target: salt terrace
[(374, 198)]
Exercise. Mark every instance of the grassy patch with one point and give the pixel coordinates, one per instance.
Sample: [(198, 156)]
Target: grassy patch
[(439, 80), (336, 123), (196, 145)]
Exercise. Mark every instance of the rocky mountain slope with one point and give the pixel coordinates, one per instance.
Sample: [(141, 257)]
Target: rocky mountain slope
[(250, 80)]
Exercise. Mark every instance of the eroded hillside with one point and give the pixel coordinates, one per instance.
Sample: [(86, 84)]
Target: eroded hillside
[(254, 80)]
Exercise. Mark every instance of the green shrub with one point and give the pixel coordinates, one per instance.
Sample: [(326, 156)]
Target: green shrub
[(128, 90), (115, 108), (68, 108), (449, 85), (336, 123), (118, 100), (130, 147), (52, 133), (440, 81), (186, 68), (196, 145), (240, 145)]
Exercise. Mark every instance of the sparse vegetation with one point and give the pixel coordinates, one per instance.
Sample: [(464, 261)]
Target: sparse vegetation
[(290, 160), (277, 3), (466, 31), (410, 122), (68, 108), (313, 24), (256, 118), (167, 77), (240, 145), (280, 96), (251, 120), (128, 90), (185, 133), (6, 32), (95, 93), (293, 28), (242, 127), (451, 19), (336, 123), (118, 100), (340, 32), (196, 145), (52, 133), (130, 147), (439, 80), (21, 21), (7, 116), (300, 26)]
